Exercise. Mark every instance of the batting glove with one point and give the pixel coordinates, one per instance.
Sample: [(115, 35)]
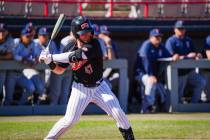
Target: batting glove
[(46, 57)]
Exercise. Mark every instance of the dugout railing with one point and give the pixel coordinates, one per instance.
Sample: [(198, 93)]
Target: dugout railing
[(123, 88), (172, 82)]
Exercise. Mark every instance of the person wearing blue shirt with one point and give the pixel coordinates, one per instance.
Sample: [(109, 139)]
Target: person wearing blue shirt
[(206, 72), (110, 75), (59, 85), (6, 48), (25, 52), (149, 53), (181, 47), (43, 40), (31, 27)]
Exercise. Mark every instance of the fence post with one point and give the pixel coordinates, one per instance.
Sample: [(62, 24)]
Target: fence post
[(111, 8), (146, 10), (80, 8), (46, 10)]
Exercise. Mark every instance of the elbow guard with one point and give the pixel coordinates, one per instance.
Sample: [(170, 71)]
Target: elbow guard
[(75, 56)]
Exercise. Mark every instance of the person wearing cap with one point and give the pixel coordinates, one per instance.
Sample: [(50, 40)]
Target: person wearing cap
[(59, 85), (148, 67), (26, 54), (180, 46), (110, 46), (31, 26), (43, 40), (6, 48), (96, 29), (206, 72), (111, 75)]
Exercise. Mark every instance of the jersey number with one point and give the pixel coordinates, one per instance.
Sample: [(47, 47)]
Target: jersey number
[(88, 69)]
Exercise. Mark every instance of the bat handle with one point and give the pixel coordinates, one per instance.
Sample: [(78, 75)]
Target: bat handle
[(47, 48)]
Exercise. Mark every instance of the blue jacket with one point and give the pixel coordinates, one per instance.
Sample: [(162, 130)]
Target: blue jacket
[(148, 56)]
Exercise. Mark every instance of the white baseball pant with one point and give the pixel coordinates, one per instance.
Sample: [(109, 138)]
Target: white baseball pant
[(80, 97)]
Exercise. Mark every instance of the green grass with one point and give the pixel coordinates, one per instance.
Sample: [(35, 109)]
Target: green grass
[(106, 130)]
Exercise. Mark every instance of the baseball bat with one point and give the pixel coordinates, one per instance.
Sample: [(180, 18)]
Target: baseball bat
[(56, 29)]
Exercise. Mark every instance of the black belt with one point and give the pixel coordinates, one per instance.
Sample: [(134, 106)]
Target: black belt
[(91, 85)]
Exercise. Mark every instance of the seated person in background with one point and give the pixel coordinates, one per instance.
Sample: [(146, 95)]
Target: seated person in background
[(31, 27), (109, 74), (150, 51), (96, 29), (181, 47), (59, 85), (110, 46), (42, 41), (6, 47), (25, 52)]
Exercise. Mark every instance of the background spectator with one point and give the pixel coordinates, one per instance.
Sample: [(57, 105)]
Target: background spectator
[(25, 52), (42, 41), (181, 47), (147, 71), (111, 75), (59, 85), (6, 48), (206, 72)]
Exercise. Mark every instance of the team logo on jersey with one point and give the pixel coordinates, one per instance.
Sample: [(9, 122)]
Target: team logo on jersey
[(84, 26), (77, 65)]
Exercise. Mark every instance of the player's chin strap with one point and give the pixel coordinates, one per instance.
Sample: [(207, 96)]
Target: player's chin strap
[(127, 133)]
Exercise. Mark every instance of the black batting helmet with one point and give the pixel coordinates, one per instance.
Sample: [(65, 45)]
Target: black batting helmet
[(81, 25)]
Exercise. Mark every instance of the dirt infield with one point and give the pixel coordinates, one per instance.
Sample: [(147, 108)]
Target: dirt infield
[(176, 116)]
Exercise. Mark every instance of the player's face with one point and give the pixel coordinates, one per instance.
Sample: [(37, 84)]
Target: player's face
[(43, 39), (180, 32), (156, 40), (3, 35), (86, 37), (26, 39)]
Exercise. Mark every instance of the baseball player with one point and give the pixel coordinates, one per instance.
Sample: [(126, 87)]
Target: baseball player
[(42, 41), (109, 74), (149, 53), (206, 72), (180, 47), (96, 30), (59, 86), (31, 26), (6, 47), (25, 52), (88, 86)]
